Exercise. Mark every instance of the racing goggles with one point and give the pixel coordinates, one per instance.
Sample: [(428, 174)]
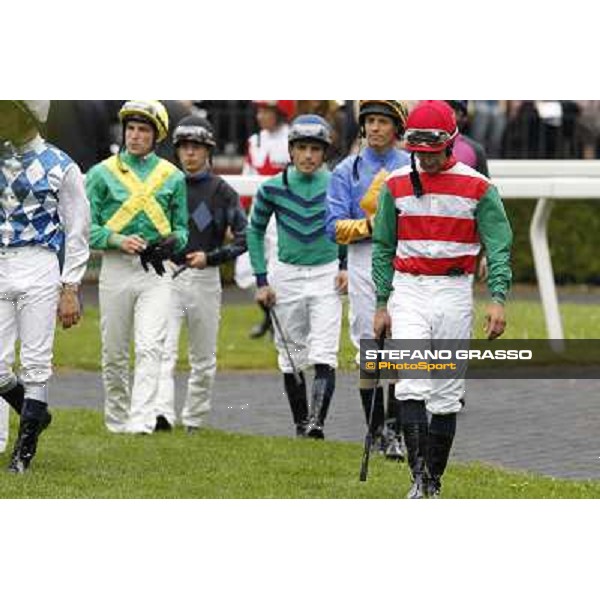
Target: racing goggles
[(193, 133), (142, 107), (310, 131), (429, 138)]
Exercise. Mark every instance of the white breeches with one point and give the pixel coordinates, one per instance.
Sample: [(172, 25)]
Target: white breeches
[(131, 302), (195, 301), (29, 291), (309, 310), (432, 308), (361, 293)]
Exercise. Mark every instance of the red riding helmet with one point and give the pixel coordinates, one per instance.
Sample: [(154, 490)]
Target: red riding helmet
[(287, 108), (431, 127)]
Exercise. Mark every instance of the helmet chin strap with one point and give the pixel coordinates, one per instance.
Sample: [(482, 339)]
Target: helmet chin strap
[(415, 179), (414, 176), (286, 181)]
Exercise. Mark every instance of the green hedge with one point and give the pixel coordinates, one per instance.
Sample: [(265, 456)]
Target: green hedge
[(574, 231)]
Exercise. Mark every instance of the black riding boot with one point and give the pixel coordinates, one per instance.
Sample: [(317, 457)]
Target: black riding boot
[(322, 392), (296, 393), (34, 419), (414, 428), (261, 328), (15, 397), (441, 436)]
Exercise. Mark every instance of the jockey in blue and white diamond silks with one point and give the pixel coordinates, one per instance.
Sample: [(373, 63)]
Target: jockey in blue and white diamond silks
[(43, 209)]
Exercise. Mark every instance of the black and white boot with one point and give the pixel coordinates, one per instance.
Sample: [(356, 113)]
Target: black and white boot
[(393, 428), (322, 392), (296, 394), (415, 437), (393, 444), (414, 428), (35, 417), (439, 444)]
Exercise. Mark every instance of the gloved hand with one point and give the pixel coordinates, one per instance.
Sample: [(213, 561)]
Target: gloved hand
[(151, 256), (166, 247), (370, 200), (155, 254)]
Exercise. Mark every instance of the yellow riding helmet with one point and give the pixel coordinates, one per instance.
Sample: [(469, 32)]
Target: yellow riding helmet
[(149, 110), (395, 109)]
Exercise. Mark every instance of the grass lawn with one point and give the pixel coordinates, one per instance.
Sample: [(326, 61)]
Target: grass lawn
[(79, 348), (79, 459)]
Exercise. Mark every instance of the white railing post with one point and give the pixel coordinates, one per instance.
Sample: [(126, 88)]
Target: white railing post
[(538, 234)]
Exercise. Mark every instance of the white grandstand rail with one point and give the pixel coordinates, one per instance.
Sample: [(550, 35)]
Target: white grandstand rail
[(245, 185), (544, 168), (543, 180), (554, 188)]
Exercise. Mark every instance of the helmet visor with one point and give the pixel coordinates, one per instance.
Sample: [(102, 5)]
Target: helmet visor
[(429, 138), (193, 133), (309, 131), (141, 107)]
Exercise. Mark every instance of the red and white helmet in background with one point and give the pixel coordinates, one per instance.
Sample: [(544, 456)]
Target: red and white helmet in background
[(286, 108), (430, 127)]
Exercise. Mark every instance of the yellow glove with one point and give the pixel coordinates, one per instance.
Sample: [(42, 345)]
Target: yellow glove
[(371, 198)]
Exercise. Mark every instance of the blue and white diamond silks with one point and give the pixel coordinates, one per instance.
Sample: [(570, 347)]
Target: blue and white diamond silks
[(12, 166), (202, 217), (29, 187), (8, 201)]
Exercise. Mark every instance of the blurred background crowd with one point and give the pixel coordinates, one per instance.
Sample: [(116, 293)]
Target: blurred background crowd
[(89, 131), (517, 129)]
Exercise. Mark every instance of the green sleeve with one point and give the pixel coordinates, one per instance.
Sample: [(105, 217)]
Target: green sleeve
[(496, 236), (179, 212), (262, 209), (96, 190), (385, 240)]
